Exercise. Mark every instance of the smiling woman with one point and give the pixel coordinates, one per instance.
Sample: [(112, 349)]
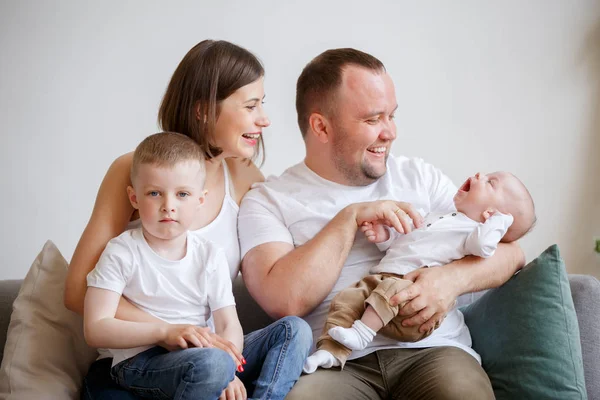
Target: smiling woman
[(215, 98)]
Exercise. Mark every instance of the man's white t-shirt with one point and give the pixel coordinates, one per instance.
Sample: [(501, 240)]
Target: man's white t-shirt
[(295, 206), (178, 292)]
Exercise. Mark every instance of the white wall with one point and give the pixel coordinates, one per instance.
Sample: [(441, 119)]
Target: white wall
[(481, 86)]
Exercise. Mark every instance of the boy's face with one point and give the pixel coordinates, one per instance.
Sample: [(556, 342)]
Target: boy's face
[(167, 198), (484, 192)]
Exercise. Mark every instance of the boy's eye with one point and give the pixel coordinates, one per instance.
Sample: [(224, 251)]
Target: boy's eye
[(153, 193), (251, 108), (183, 194)]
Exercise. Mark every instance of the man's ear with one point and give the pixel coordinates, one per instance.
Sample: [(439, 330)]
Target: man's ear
[(132, 197), (319, 127), (488, 213)]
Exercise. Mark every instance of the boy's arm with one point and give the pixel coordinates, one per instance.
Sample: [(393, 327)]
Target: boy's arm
[(227, 325), (102, 329)]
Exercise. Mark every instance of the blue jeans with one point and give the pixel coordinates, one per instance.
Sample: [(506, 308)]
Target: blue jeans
[(190, 374), (274, 356)]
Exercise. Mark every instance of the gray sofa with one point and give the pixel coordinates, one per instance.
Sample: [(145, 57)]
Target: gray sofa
[(585, 290)]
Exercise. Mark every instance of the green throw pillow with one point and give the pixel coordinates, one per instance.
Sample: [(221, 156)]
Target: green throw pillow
[(527, 334)]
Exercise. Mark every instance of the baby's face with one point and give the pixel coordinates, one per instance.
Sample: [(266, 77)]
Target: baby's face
[(486, 191)]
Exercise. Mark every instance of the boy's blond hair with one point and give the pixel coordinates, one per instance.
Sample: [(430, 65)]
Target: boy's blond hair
[(166, 149)]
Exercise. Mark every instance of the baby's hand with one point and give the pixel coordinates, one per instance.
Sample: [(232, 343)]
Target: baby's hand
[(376, 232)]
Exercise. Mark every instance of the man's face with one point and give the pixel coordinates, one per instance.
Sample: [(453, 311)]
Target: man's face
[(363, 127)]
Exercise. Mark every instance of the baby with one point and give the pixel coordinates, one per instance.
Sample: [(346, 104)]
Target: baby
[(489, 209)]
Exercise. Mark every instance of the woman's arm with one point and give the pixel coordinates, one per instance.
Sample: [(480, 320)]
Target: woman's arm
[(102, 329), (243, 176), (111, 214), (227, 325)]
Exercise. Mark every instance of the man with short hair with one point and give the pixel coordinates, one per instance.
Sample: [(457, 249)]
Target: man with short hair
[(300, 241)]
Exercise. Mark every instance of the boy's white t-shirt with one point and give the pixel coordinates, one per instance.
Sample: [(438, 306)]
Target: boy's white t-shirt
[(178, 292), (295, 206)]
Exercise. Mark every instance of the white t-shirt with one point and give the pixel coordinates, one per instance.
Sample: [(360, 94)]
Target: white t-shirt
[(178, 292), (442, 239), (295, 206)]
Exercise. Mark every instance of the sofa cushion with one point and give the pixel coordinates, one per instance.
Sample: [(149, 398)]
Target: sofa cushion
[(45, 355), (527, 334)]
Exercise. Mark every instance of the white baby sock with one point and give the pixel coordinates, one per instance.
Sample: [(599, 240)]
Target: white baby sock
[(355, 338), (320, 358)]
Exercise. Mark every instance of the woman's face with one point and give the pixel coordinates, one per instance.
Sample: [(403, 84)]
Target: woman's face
[(241, 121)]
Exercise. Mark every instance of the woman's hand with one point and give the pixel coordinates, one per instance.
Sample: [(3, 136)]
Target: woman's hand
[(387, 212), (234, 391)]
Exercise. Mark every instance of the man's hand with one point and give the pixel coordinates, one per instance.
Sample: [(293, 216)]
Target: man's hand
[(375, 232), (429, 298), (184, 336), (234, 391), (391, 213)]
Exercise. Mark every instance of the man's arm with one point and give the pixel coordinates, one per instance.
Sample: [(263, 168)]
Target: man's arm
[(293, 281), (436, 289)]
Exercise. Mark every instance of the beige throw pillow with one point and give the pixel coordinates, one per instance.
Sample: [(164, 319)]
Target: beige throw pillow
[(45, 355)]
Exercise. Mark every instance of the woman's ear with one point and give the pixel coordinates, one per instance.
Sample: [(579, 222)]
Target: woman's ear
[(132, 197), (319, 127), (201, 113)]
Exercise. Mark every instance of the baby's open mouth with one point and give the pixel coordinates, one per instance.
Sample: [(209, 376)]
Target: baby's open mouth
[(466, 186)]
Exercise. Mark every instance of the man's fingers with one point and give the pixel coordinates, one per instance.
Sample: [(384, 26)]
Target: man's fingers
[(408, 293), (414, 215), (433, 323), (394, 219), (413, 306), (419, 318)]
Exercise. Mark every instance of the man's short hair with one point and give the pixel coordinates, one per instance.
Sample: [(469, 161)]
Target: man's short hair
[(166, 149), (322, 76)]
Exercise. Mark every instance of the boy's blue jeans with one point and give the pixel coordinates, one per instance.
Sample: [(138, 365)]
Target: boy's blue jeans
[(274, 356)]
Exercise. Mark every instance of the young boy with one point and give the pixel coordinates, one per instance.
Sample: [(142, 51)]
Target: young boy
[(170, 274), (490, 208)]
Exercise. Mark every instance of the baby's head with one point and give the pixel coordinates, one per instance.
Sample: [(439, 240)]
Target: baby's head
[(167, 183), (482, 195)]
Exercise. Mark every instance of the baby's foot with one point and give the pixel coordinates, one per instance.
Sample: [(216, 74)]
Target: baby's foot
[(355, 338), (320, 358)]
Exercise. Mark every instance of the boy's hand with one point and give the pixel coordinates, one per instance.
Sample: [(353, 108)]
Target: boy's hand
[(184, 336), (234, 391), (376, 232)]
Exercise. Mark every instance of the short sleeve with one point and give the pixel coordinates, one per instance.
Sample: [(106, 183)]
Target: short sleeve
[(260, 221), (484, 240), (220, 293), (114, 267)]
